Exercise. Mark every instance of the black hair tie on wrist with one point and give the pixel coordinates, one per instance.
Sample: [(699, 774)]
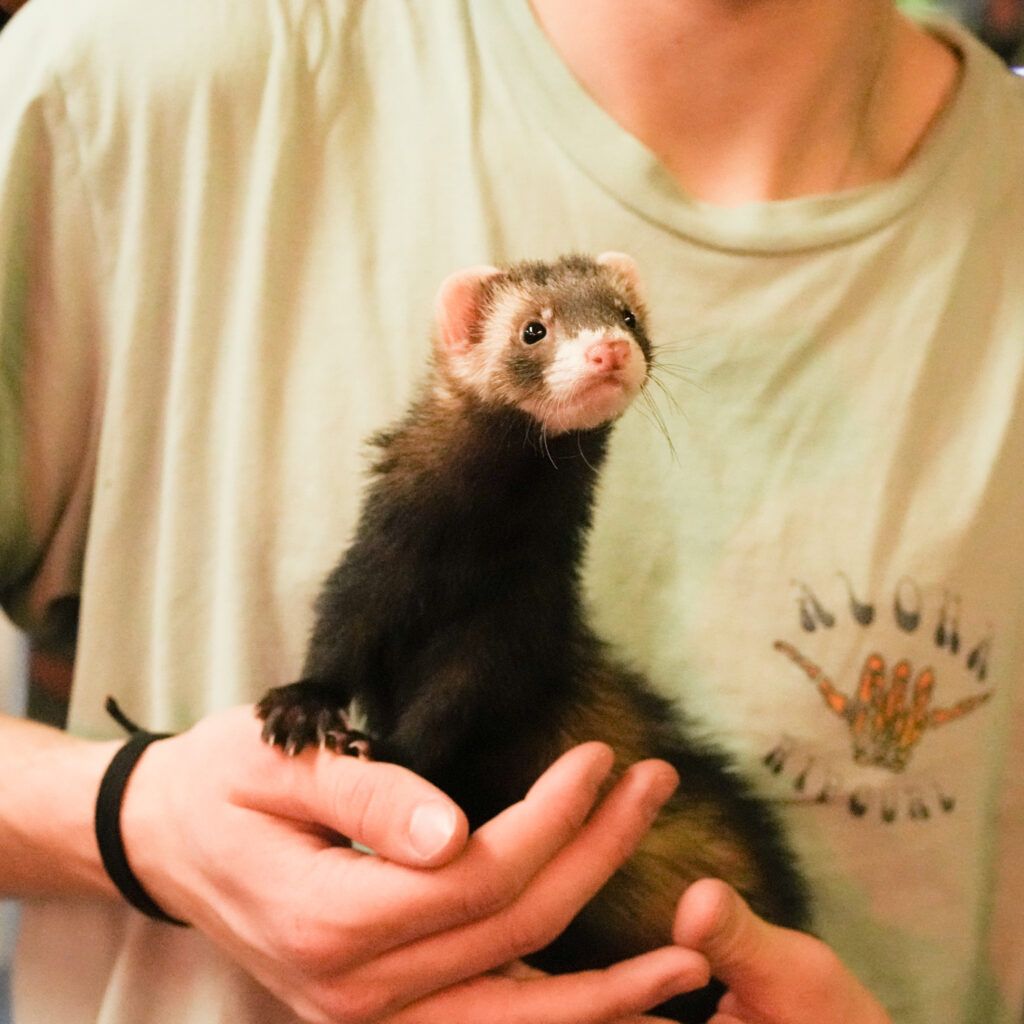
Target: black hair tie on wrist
[(108, 816)]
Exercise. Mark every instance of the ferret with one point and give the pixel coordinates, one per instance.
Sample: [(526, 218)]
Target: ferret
[(455, 620)]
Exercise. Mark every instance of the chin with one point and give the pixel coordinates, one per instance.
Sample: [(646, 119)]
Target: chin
[(587, 413)]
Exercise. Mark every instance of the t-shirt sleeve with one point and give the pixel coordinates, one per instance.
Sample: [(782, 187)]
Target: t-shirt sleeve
[(50, 352)]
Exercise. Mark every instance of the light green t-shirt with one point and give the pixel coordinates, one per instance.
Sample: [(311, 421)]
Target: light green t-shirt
[(221, 228)]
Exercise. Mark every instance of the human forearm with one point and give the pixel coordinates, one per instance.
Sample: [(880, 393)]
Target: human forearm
[(48, 786)]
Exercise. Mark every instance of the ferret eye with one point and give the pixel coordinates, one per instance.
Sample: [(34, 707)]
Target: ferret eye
[(533, 332), (629, 318)]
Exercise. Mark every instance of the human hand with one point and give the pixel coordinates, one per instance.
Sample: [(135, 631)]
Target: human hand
[(228, 834), (774, 975)]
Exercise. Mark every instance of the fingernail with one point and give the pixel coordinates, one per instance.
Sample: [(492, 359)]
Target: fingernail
[(431, 828), (662, 788), (601, 765)]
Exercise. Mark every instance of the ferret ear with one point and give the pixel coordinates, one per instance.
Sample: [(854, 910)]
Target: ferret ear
[(625, 269), (457, 306)]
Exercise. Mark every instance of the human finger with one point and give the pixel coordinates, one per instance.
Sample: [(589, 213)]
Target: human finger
[(547, 904), (382, 806), (731, 1010), (618, 993), (389, 907), (520, 969), (644, 1019)]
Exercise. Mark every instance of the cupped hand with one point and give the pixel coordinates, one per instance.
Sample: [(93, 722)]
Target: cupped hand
[(244, 843), (774, 975)]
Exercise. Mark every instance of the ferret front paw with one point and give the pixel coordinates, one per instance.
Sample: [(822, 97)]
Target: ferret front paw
[(304, 714)]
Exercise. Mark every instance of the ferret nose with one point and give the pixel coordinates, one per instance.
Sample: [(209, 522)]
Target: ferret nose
[(608, 355)]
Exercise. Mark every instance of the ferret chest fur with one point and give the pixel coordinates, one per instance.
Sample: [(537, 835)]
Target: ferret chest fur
[(492, 639)]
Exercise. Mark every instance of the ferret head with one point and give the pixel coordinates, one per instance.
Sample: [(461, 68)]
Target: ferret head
[(564, 342)]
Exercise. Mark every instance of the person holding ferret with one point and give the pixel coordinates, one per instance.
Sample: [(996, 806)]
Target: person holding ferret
[(222, 228)]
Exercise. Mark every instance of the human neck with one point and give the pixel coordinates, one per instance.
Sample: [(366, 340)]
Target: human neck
[(755, 100)]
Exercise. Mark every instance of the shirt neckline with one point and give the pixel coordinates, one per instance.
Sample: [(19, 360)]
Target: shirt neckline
[(548, 94)]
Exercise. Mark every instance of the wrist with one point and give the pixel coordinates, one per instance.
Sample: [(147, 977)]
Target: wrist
[(47, 818), (108, 825), (80, 764)]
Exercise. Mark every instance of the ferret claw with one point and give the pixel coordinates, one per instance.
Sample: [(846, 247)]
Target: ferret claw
[(269, 733), (294, 717), (324, 721), (358, 746)]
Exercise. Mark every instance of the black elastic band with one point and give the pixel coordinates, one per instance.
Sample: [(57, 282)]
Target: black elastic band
[(108, 823)]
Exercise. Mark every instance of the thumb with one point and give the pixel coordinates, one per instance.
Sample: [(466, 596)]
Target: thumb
[(388, 809), (744, 950), (381, 806), (773, 974)]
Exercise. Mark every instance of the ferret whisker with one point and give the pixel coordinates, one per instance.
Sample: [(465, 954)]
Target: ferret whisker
[(583, 455), (654, 381), (509, 426), (531, 436), (685, 341), (540, 442), (673, 402), (547, 446), (678, 373), (660, 351), (543, 436), (653, 415)]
